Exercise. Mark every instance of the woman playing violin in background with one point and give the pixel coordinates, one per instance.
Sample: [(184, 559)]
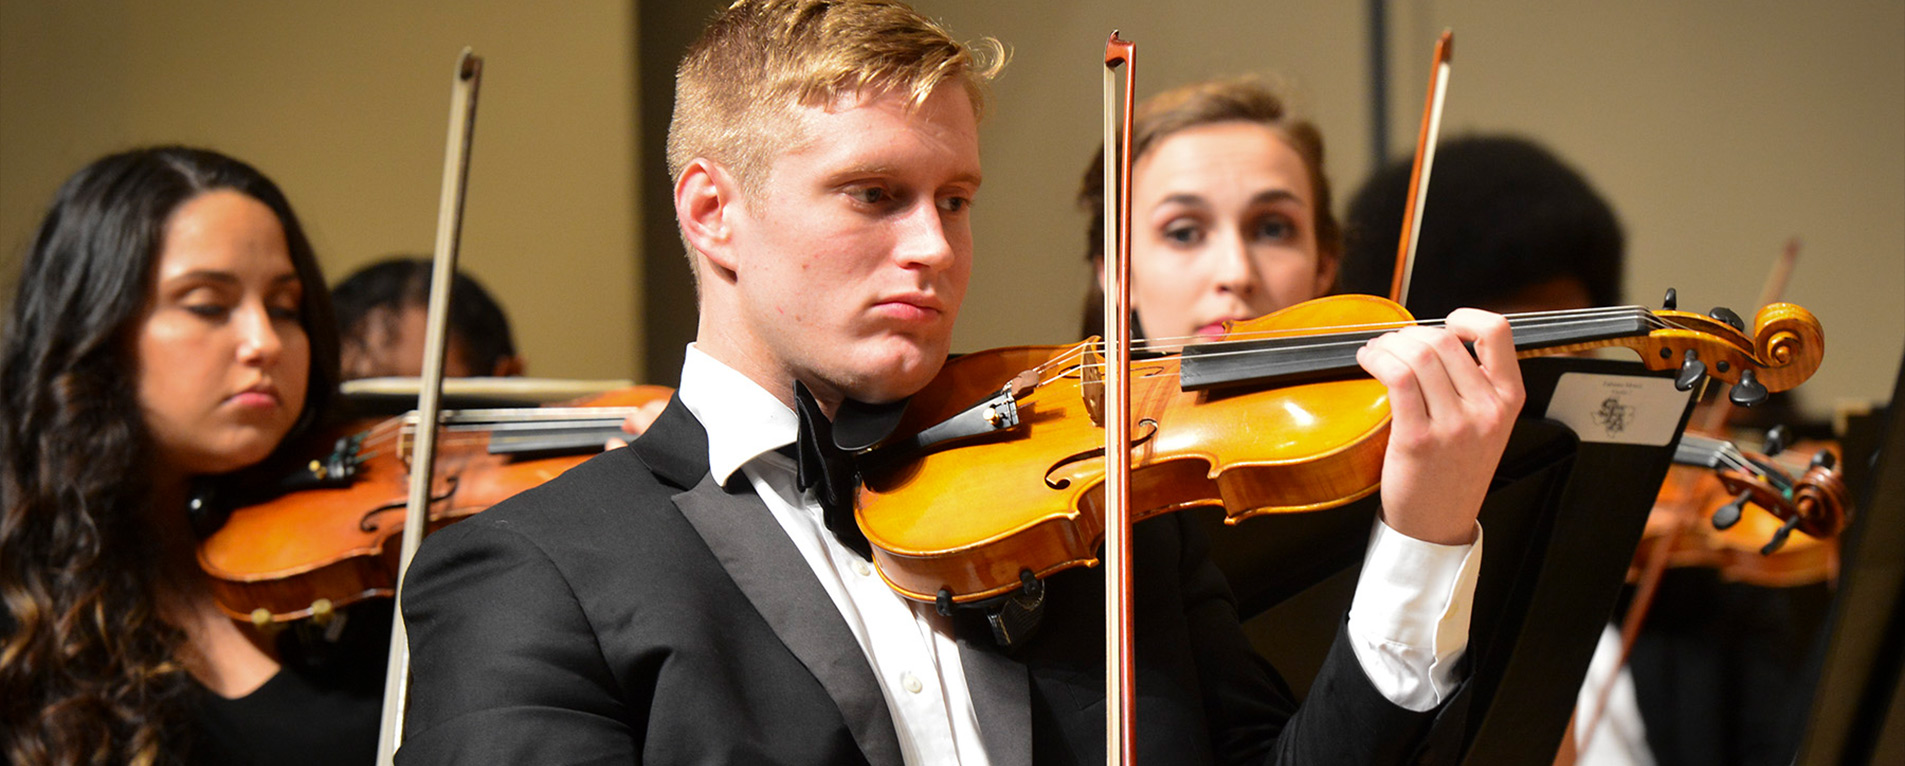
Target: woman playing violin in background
[(170, 325), (1231, 220)]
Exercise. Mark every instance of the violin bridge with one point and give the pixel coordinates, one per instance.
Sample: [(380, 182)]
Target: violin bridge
[(1091, 372)]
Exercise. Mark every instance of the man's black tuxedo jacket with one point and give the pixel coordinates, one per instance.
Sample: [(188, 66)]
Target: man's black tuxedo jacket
[(633, 610)]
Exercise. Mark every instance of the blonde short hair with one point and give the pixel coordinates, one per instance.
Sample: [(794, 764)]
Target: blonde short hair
[(761, 59)]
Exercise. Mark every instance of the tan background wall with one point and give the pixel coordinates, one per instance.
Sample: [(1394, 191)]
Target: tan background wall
[(345, 104), (1717, 129)]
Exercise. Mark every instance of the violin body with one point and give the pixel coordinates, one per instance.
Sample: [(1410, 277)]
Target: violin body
[(305, 553), (1298, 448)]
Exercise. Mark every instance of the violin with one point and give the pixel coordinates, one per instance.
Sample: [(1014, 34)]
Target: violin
[(329, 542), (1275, 418), (1750, 516)]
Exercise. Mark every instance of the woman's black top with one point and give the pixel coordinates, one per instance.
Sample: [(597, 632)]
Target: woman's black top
[(321, 707)]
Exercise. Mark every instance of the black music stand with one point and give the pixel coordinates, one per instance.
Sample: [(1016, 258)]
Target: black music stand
[(1858, 708), (1562, 519)]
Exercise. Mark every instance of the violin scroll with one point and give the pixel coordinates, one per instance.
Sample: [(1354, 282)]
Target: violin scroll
[(1820, 497), (1784, 350), (1814, 503), (1790, 338)]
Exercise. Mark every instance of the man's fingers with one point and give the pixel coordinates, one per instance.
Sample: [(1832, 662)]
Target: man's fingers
[(1494, 343), (1415, 348), (1406, 407)]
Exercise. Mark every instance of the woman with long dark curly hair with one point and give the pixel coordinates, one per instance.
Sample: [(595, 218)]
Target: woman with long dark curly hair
[(170, 325)]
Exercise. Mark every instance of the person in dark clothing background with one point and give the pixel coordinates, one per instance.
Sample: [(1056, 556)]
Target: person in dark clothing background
[(380, 316), (1717, 671), (1507, 227)]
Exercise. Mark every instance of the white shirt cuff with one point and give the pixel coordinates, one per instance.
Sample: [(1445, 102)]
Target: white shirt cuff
[(1409, 621)]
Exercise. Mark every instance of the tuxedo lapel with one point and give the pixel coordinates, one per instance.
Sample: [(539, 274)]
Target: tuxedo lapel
[(769, 569), (1001, 696), (675, 446)]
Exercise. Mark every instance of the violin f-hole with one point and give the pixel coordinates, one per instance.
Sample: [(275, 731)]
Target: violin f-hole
[(368, 524), (1147, 428)]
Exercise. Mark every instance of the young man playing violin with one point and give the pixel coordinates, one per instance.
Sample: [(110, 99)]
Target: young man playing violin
[(684, 599)]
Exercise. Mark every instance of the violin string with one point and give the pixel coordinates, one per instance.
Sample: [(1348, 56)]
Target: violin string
[(1343, 346), (1730, 455), (1067, 363), (1526, 320), (1530, 319)]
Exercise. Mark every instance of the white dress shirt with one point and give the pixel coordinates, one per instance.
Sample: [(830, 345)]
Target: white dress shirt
[(1408, 623)]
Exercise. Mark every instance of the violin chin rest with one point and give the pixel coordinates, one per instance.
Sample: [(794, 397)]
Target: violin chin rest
[(859, 426)]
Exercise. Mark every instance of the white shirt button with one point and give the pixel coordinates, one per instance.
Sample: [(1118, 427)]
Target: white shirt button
[(911, 682), (863, 569)]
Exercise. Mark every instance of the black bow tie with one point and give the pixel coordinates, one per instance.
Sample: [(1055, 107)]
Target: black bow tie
[(834, 474), (828, 470)]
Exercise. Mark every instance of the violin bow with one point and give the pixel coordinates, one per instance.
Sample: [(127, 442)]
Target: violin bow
[(1419, 173), (1120, 685), (456, 175)]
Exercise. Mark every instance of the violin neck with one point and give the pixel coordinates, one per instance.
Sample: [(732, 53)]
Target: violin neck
[(1295, 359)]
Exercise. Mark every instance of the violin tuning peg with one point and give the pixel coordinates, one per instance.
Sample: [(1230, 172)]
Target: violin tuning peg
[(1776, 439), (1672, 301), (1725, 516), (1692, 371), (1824, 459), (1726, 315), (1779, 536), (1748, 391)]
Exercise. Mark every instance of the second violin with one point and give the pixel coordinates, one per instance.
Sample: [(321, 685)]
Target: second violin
[(331, 543)]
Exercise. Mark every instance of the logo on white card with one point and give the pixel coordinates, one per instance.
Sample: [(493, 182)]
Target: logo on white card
[(1614, 415), (1619, 409)]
